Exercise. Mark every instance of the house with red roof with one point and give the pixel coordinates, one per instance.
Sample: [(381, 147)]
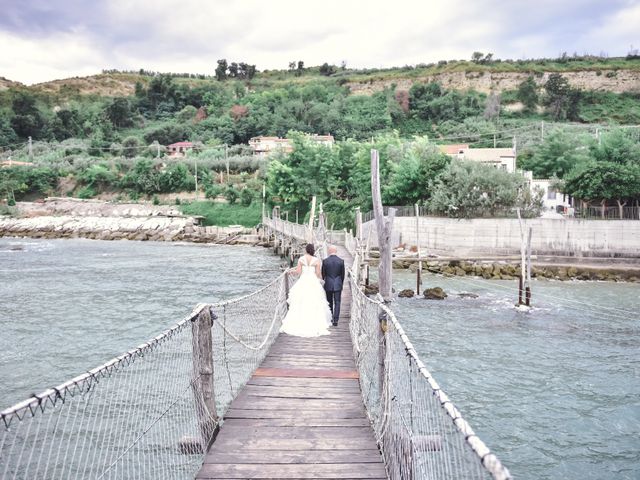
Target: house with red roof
[(179, 149)]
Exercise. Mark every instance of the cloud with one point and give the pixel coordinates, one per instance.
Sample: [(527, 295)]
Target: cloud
[(63, 38)]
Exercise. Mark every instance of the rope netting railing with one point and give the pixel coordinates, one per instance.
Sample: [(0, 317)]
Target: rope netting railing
[(151, 412), (419, 430)]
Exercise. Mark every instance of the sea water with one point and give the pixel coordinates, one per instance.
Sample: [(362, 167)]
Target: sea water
[(67, 306), (553, 391)]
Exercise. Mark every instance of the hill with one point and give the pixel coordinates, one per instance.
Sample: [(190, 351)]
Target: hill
[(5, 84), (616, 75)]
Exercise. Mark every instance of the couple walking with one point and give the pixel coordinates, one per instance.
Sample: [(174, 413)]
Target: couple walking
[(312, 307)]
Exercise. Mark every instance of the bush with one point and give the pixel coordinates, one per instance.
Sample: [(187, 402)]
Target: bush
[(212, 191), (156, 200), (86, 192), (178, 202), (11, 202), (231, 194), (246, 197)]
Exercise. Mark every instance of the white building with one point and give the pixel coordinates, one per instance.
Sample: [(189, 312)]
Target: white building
[(502, 158), (554, 201), (263, 146)]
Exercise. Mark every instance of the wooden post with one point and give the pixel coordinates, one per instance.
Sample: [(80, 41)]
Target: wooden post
[(528, 279), (384, 227), (522, 260), (524, 282), (311, 218), (359, 224), (264, 196), (419, 270), (202, 382)]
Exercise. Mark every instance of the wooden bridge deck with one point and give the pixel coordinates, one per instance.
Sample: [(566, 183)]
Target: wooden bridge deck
[(300, 416)]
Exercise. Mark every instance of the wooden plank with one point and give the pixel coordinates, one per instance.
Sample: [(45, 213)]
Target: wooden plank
[(326, 470), (314, 457), (316, 421), (241, 431), (305, 372), (297, 381), (293, 413)]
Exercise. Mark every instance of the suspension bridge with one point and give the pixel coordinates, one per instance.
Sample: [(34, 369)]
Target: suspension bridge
[(221, 394)]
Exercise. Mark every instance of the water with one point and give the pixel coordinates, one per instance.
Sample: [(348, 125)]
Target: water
[(69, 305), (554, 392)]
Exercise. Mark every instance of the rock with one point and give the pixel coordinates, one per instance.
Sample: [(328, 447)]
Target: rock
[(371, 289), (459, 271), (507, 277), (572, 272), (435, 293), (448, 270), (468, 295), (562, 274), (406, 293)]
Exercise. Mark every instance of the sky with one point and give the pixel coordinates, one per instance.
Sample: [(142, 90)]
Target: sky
[(42, 40)]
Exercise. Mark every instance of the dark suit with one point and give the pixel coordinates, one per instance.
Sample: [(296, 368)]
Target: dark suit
[(333, 275)]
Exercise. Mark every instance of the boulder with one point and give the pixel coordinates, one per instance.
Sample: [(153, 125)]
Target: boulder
[(459, 271), (435, 293), (371, 289), (468, 295), (406, 293)]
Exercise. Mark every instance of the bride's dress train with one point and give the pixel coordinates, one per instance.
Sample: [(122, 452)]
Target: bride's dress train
[(309, 314)]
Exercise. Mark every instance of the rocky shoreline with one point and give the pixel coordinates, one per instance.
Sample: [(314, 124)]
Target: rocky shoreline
[(73, 218), (505, 270)]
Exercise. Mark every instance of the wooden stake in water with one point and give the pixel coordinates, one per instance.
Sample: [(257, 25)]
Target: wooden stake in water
[(384, 227), (419, 270)]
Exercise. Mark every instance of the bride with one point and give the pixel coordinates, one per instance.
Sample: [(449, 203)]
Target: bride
[(309, 314)]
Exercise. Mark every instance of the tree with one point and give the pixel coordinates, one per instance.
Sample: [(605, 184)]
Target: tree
[(561, 98), (233, 70), (119, 112), (413, 176), (470, 189), (528, 93), (231, 194), (131, 147), (476, 57), (560, 153), (300, 68), (28, 121), (492, 107), (221, 70), (602, 181), (327, 70)]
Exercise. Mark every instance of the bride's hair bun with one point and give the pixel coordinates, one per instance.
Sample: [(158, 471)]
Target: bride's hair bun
[(311, 250)]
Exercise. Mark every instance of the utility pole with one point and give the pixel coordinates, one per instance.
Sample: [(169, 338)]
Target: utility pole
[(30, 148), (495, 144), (226, 159), (196, 175), (264, 196)]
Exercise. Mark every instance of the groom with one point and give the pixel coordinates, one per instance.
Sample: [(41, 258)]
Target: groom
[(333, 275)]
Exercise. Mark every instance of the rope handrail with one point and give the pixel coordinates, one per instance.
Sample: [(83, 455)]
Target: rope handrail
[(152, 411), (386, 396), (53, 394)]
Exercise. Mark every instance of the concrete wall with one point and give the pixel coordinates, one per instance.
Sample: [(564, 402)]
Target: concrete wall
[(570, 237)]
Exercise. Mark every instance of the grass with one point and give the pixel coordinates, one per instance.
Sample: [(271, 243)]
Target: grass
[(223, 214)]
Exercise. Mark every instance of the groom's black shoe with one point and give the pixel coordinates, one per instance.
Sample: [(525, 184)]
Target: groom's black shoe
[(335, 324)]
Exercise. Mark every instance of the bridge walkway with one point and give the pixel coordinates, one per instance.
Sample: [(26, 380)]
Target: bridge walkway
[(301, 414)]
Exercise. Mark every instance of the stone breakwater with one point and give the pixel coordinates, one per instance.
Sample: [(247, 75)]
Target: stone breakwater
[(102, 228), (510, 271), (73, 218)]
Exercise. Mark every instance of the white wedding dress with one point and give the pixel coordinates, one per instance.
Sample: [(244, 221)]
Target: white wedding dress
[(309, 314)]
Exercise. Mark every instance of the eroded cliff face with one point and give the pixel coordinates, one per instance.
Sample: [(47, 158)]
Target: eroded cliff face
[(616, 81)]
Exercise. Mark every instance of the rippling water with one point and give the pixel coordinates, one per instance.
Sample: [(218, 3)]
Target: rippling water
[(554, 392), (69, 305)]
